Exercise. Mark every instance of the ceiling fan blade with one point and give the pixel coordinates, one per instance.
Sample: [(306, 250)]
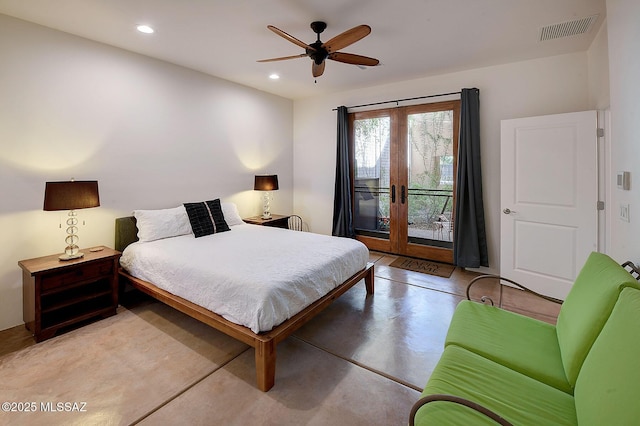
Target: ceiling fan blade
[(283, 58), (350, 58), (291, 38), (316, 69), (347, 38)]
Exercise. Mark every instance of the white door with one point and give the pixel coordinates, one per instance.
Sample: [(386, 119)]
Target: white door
[(549, 194)]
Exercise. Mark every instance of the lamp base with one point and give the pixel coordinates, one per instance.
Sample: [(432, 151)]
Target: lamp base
[(266, 208), (71, 251), (71, 256)]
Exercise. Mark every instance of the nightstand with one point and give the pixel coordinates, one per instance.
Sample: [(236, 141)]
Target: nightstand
[(57, 295), (276, 220)]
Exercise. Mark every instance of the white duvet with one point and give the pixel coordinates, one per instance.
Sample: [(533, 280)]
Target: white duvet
[(255, 276)]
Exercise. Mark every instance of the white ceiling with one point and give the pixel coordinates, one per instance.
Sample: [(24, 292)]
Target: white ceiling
[(411, 38)]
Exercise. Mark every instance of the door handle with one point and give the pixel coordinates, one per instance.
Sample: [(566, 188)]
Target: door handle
[(393, 193), (403, 196), (507, 211)]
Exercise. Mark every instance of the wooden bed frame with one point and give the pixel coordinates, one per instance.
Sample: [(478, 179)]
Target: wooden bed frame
[(263, 343)]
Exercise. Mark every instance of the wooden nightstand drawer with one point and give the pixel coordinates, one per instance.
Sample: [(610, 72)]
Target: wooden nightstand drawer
[(73, 295), (63, 278)]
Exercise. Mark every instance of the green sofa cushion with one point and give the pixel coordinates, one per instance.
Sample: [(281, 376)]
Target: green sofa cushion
[(514, 396), (521, 343), (449, 413), (608, 385), (587, 307)]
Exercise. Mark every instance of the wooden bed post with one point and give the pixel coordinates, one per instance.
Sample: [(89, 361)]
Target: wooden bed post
[(368, 280), (266, 364)]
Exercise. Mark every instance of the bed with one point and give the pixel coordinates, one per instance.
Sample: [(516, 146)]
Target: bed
[(256, 284)]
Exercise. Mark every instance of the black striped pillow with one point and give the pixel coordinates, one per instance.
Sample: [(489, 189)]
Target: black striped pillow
[(206, 217)]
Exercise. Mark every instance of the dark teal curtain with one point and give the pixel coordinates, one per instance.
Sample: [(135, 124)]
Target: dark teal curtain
[(470, 238), (342, 214)]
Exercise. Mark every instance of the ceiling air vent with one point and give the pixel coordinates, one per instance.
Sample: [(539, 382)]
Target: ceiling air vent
[(567, 29)]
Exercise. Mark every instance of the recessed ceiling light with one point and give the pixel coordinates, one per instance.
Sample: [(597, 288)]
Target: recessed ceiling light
[(274, 76), (145, 29)]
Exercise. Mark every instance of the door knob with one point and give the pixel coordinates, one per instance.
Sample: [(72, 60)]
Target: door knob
[(507, 211)]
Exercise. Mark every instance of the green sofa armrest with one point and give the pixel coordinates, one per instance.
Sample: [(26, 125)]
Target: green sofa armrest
[(457, 400)]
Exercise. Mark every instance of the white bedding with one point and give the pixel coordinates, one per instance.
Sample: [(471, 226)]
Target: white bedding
[(255, 276)]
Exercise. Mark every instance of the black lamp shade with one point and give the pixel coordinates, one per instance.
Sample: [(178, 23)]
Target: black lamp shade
[(266, 183), (71, 195)]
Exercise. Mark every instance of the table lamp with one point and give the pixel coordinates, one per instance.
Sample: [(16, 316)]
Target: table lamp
[(266, 183), (71, 195)]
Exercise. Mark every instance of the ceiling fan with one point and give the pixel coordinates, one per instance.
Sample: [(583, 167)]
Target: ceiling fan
[(319, 51)]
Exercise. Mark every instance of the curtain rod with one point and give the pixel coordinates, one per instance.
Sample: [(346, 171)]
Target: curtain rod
[(402, 100)]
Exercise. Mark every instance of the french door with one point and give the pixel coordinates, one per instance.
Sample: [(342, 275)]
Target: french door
[(404, 168)]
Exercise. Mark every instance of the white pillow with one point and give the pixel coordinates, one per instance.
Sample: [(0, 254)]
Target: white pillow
[(231, 215), (165, 223)]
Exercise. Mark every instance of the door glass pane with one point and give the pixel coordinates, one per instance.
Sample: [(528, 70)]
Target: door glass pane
[(372, 161), (430, 166)]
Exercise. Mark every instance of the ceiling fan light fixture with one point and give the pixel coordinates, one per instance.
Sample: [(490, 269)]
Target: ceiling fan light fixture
[(274, 76), (145, 29)]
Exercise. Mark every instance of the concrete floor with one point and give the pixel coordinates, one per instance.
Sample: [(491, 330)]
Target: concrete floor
[(362, 361)]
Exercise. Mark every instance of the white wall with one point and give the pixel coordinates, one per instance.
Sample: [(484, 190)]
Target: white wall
[(598, 70), (153, 134), (624, 74), (536, 87)]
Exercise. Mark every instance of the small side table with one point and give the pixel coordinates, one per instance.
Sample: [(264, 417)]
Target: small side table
[(59, 294), (276, 220)]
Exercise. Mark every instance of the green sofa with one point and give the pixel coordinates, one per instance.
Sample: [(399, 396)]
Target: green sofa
[(502, 367)]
